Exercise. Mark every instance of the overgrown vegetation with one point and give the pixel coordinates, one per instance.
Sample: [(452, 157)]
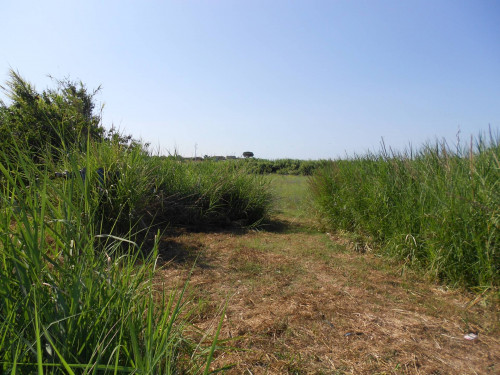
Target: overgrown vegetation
[(59, 130), (281, 166), (73, 299), (76, 288), (53, 119), (436, 207), (144, 193), (76, 285)]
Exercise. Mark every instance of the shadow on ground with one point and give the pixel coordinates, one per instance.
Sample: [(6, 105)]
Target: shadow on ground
[(178, 245), (171, 251)]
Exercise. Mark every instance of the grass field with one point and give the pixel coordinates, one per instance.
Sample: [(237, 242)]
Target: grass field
[(302, 301), (292, 194), (113, 260)]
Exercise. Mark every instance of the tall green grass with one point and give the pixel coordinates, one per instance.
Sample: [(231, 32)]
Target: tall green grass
[(212, 194), (436, 207), (74, 297), (76, 290), (141, 191)]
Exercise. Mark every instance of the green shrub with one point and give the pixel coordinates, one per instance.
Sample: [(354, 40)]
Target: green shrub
[(280, 166), (54, 119), (141, 192)]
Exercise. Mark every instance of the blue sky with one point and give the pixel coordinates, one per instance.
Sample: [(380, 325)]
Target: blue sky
[(301, 79)]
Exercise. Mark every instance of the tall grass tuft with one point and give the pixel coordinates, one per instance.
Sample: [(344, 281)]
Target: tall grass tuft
[(74, 299), (211, 194), (140, 191), (436, 207)]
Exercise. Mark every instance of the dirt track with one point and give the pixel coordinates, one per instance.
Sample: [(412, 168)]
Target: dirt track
[(301, 302)]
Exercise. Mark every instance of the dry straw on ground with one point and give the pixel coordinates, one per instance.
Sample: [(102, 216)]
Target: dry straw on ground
[(300, 303)]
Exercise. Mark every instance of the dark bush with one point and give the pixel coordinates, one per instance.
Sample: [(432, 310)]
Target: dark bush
[(53, 120)]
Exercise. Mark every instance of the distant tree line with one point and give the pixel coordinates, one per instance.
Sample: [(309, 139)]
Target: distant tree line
[(261, 166), (284, 166)]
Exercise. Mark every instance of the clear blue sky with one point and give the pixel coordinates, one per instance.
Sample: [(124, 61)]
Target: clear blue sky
[(282, 78)]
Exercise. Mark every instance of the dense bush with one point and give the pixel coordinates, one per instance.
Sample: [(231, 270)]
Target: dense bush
[(54, 119), (280, 166), (212, 193), (436, 207)]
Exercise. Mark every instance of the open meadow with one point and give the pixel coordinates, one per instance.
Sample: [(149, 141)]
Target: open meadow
[(115, 260)]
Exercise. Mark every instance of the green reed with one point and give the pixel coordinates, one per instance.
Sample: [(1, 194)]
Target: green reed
[(436, 207), (73, 297)]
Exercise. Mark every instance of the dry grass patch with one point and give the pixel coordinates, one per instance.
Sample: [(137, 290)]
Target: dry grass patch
[(299, 303), (305, 302)]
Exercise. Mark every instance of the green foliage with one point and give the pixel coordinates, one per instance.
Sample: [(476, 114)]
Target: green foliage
[(73, 300), (437, 208), (54, 119), (280, 166), (76, 291), (59, 130), (141, 191)]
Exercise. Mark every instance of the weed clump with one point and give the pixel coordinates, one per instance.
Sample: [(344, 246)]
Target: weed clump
[(136, 191)]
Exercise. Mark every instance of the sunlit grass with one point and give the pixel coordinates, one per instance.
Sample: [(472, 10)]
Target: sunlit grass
[(75, 296), (436, 208), (294, 201)]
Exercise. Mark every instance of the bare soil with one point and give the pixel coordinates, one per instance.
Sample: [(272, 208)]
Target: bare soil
[(305, 302)]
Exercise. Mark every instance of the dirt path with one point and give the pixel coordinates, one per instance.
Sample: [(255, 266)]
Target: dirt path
[(302, 302)]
